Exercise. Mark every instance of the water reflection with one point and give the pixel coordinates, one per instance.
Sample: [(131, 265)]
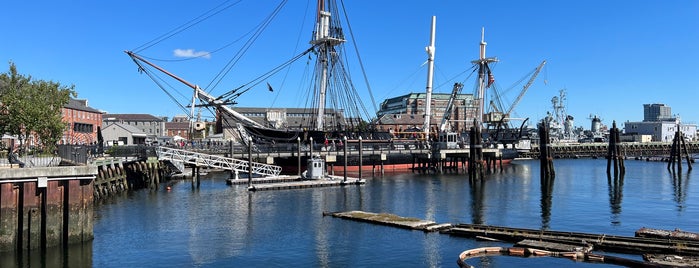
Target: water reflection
[(616, 192), (477, 197), (72, 256), (546, 201), (679, 187)]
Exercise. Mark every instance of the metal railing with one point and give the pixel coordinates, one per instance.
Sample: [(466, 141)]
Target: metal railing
[(215, 161)]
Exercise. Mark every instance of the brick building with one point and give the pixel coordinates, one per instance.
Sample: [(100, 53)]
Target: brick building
[(82, 121)]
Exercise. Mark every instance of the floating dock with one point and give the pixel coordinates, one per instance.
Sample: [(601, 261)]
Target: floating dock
[(659, 251), (390, 220), (611, 243), (275, 179), (304, 184)]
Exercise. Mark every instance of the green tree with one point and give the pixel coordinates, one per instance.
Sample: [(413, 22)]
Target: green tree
[(32, 107)]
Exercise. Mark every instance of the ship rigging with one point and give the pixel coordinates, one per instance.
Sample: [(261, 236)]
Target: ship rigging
[(331, 88)]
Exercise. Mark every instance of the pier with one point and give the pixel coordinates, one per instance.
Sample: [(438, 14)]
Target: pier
[(45, 207), (595, 150), (378, 156)]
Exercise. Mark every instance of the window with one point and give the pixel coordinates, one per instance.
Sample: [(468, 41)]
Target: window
[(82, 128)]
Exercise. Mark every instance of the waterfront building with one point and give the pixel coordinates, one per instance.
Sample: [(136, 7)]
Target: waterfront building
[(178, 126), (659, 123), (292, 118), (406, 113), (151, 125), (82, 121), (123, 134)]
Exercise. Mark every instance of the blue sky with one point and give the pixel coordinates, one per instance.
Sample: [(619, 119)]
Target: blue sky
[(610, 56)]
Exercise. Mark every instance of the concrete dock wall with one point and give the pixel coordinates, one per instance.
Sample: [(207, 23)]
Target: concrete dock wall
[(45, 207)]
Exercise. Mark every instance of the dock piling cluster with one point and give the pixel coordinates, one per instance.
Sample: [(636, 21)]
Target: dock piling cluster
[(678, 149), (614, 154)]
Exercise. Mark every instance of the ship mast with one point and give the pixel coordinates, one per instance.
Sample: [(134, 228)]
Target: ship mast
[(483, 72), (430, 73), (325, 38)]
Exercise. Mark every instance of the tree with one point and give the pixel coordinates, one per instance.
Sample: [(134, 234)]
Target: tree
[(32, 107)]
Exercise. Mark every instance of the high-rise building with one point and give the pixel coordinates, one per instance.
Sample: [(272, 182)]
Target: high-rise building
[(657, 112)]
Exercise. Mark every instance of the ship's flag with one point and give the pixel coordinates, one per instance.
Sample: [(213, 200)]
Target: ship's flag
[(491, 79), (269, 87)]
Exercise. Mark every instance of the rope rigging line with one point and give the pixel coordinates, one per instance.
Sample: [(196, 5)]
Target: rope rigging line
[(359, 58), (203, 55), (185, 26), (298, 41), (229, 66), (230, 95), (157, 82)]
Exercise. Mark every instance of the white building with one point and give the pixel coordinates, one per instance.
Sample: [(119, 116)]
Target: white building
[(123, 134), (658, 122)]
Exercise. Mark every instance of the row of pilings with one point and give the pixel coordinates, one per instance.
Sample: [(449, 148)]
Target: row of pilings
[(115, 176), (476, 163)]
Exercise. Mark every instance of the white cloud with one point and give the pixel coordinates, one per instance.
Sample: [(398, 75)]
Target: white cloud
[(190, 53)]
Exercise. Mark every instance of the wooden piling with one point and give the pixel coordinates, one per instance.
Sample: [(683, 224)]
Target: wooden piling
[(614, 156), (678, 148), (546, 155), (475, 160)]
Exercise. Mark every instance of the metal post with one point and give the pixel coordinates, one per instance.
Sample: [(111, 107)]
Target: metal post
[(311, 147), (360, 157), (298, 141), (344, 149), (249, 162)]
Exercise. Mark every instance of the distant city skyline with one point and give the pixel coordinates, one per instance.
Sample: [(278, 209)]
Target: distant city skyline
[(611, 57)]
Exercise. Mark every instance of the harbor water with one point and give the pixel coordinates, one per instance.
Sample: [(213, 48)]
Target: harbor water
[(218, 225)]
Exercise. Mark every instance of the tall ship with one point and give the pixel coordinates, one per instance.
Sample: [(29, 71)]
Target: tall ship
[(332, 92), (334, 108)]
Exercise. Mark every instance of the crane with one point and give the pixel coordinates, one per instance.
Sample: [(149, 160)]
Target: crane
[(450, 106), (524, 88)]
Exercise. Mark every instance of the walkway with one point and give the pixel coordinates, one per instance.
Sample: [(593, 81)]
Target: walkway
[(215, 161)]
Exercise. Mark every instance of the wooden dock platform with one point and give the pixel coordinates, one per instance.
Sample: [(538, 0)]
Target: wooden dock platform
[(660, 252), (275, 179), (611, 243), (389, 219)]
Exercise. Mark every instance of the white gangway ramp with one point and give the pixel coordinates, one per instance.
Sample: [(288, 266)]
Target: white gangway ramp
[(215, 161)]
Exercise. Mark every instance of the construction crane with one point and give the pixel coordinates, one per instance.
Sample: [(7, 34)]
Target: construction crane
[(498, 118), (524, 89), (450, 106)]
